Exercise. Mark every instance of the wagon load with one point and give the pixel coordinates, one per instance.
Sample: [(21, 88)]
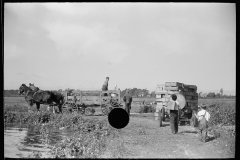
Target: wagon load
[(180, 86), (187, 97), (173, 84)]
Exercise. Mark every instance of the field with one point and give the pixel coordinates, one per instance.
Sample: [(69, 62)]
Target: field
[(142, 138)]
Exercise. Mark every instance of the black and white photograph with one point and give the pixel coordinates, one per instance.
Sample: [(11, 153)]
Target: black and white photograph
[(119, 80)]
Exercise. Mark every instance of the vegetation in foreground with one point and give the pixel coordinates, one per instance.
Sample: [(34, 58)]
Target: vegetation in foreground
[(90, 134), (88, 140)]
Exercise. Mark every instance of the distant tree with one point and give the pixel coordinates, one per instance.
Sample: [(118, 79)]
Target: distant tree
[(135, 92), (153, 94), (123, 92), (221, 91), (211, 95), (218, 95), (145, 92)]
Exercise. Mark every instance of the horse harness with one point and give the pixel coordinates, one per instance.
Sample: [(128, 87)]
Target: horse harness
[(33, 96)]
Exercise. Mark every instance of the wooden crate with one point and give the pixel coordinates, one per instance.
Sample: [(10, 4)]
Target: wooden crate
[(185, 89), (190, 88), (188, 97), (158, 96), (172, 92), (168, 84), (173, 88), (160, 88), (193, 87), (190, 93), (175, 84)]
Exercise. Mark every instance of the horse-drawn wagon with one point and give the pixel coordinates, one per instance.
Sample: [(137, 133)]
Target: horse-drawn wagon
[(86, 101)]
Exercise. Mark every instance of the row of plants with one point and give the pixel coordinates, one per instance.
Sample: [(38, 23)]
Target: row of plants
[(25, 118), (222, 123), (222, 113), (89, 138), (147, 109)]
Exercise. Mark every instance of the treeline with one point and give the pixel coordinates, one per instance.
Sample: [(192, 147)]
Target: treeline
[(135, 92), (216, 95), (11, 93)]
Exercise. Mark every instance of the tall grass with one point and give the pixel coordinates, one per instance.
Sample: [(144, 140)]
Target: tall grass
[(222, 122)]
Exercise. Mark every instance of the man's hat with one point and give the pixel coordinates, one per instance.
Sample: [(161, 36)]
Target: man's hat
[(203, 105)]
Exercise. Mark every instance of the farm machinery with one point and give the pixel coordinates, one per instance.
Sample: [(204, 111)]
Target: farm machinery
[(187, 97), (85, 102)]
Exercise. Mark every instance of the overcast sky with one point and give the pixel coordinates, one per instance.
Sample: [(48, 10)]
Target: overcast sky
[(77, 45)]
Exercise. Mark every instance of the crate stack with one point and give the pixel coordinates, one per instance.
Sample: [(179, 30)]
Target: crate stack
[(189, 92)]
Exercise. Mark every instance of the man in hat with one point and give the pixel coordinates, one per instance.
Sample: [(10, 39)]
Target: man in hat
[(203, 113), (127, 98), (173, 106), (33, 88), (105, 86)]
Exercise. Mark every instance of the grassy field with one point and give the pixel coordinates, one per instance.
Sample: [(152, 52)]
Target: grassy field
[(20, 102)]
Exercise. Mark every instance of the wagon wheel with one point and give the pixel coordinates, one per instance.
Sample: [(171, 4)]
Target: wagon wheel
[(74, 107), (89, 111), (106, 109), (114, 103), (81, 109), (65, 107)]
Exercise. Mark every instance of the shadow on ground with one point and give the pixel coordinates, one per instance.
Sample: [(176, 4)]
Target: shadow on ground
[(164, 125), (195, 132), (210, 139)]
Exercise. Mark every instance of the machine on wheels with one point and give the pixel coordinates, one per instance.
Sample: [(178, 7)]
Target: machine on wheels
[(187, 97)]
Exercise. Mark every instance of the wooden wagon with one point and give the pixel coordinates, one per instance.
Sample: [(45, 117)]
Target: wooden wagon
[(82, 101)]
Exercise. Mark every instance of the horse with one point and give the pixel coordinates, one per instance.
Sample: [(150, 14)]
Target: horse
[(41, 97)]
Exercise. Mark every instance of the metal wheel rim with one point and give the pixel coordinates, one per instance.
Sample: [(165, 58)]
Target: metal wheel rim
[(105, 109), (87, 113), (73, 105), (67, 107), (81, 109)]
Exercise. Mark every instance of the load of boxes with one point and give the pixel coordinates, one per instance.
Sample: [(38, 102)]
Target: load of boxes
[(189, 92), (187, 96)]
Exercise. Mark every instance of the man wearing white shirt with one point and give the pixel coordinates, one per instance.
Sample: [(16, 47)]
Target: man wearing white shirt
[(203, 113), (173, 106)]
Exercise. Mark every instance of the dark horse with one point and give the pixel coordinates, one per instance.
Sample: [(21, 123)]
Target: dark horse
[(41, 97)]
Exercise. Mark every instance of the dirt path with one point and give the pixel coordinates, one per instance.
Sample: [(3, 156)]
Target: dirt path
[(143, 138)]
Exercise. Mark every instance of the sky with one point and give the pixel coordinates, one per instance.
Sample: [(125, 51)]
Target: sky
[(77, 45)]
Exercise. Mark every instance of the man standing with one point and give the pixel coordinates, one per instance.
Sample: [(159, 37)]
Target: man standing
[(127, 98), (105, 86), (203, 117), (33, 88), (173, 106)]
